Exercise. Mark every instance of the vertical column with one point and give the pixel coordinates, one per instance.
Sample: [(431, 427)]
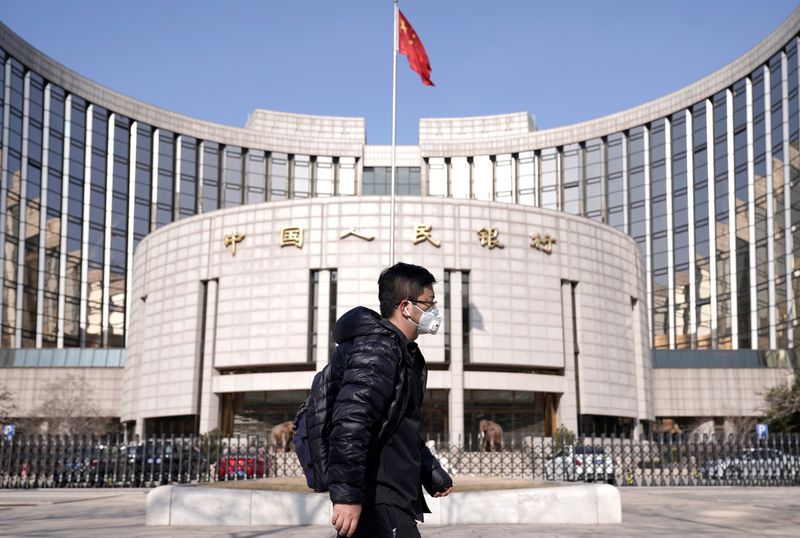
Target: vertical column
[(208, 400), (670, 232), (626, 210), (3, 171), (201, 159), (560, 178), (493, 185), (582, 179), (176, 205), (455, 397), (569, 405), (155, 146), (648, 233), (537, 156), (786, 269), (107, 225), (751, 219), (692, 238), (514, 178), (131, 205), (87, 196), (771, 271), (712, 229), (321, 324), (62, 261), (732, 224), (43, 217), (23, 206)]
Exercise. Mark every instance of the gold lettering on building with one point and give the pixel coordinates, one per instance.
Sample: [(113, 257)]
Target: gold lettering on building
[(488, 238), (230, 240), (543, 242), (292, 236), (352, 231), (423, 233)]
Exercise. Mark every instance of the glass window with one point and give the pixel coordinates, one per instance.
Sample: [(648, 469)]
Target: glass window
[(504, 178), (301, 176), (680, 224), (572, 179), (376, 180), (187, 201), (2, 85), (548, 198), (407, 182), (142, 183), (527, 177), (616, 180), (279, 176), (514, 411), (210, 175), (256, 180), (165, 195), (721, 221), (232, 187), (776, 77), (595, 179), (324, 176)]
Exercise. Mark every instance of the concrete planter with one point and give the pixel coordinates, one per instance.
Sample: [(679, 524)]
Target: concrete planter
[(588, 504)]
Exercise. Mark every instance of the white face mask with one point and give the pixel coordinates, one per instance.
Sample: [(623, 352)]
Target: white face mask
[(429, 321)]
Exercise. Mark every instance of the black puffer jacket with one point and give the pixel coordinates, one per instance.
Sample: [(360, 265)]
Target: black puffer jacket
[(373, 369)]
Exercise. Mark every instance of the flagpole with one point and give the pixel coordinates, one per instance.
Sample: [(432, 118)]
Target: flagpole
[(394, 133)]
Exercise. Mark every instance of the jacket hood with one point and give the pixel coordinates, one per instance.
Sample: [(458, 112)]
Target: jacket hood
[(361, 321)]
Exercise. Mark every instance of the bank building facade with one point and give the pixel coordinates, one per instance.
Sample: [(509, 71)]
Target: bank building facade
[(634, 272)]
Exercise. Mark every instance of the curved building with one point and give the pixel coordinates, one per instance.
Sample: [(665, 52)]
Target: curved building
[(233, 312), (704, 181)]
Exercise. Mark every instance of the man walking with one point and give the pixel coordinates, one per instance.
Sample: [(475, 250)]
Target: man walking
[(378, 461)]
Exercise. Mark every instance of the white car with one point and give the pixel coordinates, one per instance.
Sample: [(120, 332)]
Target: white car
[(580, 463), (753, 463)]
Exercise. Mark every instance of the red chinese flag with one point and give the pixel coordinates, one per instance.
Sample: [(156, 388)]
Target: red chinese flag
[(411, 46)]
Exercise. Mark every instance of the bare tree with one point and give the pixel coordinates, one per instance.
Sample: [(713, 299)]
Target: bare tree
[(8, 409), (739, 425), (782, 406), (70, 408)]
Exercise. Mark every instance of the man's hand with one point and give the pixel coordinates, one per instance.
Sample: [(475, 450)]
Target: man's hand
[(345, 518), (444, 493)]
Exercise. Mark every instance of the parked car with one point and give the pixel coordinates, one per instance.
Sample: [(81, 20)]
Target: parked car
[(580, 463), (753, 463), (242, 466), (76, 465), (152, 462)]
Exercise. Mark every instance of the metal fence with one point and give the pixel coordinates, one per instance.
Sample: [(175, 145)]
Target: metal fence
[(654, 460)]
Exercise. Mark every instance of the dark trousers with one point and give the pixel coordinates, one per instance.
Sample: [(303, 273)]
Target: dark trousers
[(385, 521)]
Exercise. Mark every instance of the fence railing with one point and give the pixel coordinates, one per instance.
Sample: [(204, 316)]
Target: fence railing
[(653, 460)]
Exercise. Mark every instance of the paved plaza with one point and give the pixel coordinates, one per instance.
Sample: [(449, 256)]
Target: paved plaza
[(650, 512)]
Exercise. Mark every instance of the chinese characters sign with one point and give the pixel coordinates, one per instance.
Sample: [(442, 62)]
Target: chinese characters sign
[(292, 236), (423, 233), (543, 242), (231, 240), (352, 231), (488, 237)]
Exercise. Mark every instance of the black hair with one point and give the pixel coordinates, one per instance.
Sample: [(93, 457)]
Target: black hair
[(402, 281)]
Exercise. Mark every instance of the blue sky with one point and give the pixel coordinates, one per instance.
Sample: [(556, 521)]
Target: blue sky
[(563, 62)]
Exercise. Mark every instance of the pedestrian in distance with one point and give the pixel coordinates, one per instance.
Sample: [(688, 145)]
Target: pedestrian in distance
[(376, 486)]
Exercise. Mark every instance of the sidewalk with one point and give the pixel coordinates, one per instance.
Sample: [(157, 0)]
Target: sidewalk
[(650, 512)]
